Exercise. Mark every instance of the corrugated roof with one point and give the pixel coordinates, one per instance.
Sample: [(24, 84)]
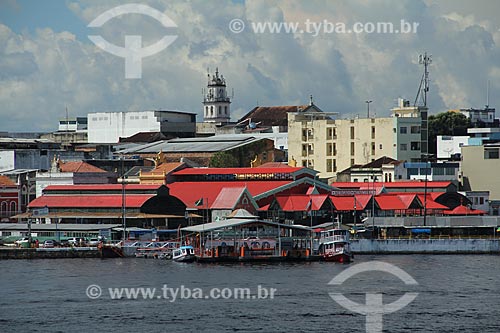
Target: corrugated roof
[(80, 166), (89, 201), (200, 144), (301, 203), (164, 168), (463, 210)]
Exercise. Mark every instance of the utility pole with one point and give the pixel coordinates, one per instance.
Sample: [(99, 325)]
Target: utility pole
[(425, 60)]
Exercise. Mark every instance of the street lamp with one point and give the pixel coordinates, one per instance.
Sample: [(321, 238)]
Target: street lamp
[(368, 108)]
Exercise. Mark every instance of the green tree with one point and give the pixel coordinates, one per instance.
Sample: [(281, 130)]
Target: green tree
[(446, 123), (223, 159)]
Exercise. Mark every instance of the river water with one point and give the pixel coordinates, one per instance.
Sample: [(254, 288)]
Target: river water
[(455, 293)]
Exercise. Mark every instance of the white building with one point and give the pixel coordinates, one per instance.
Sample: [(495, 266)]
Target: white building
[(447, 146), (216, 102), (486, 115), (109, 127)]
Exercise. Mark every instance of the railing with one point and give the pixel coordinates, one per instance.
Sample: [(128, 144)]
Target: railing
[(335, 238)]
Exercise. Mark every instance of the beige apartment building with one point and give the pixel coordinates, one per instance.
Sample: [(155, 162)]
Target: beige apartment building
[(480, 168), (319, 141)]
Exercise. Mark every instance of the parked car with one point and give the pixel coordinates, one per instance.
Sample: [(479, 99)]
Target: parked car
[(49, 244), (93, 242), (21, 241)]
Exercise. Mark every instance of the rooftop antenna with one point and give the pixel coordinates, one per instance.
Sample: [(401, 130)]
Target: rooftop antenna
[(423, 88)]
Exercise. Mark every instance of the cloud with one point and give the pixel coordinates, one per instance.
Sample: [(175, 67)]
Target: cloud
[(43, 72)]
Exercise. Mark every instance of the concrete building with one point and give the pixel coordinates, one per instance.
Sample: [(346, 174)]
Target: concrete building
[(480, 116), (71, 131), (480, 169), (450, 146), (109, 127), (318, 141)]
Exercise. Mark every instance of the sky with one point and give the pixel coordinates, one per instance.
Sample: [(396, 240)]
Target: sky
[(48, 63)]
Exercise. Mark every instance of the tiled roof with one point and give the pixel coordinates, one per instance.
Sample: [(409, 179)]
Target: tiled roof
[(272, 115), (6, 181), (77, 167), (164, 168)]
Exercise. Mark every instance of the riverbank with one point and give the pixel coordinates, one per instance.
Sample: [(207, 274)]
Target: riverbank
[(425, 246), (50, 253)]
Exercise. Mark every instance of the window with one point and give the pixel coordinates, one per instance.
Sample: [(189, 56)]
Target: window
[(329, 166), (352, 148), (481, 200), (403, 146), (415, 145), (373, 148), (415, 130), (225, 110), (402, 130), (330, 133), (334, 165), (373, 132), (412, 171), (352, 161), (380, 146), (438, 171), (424, 170), (352, 133), (329, 149), (491, 153), (450, 171), (220, 110)]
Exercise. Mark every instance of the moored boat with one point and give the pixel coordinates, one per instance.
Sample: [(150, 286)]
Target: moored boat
[(335, 246), (184, 254)]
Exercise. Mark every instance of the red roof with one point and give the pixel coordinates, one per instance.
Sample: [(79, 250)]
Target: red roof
[(464, 210), (101, 187), (228, 198), (390, 202), (190, 192), (301, 203), (404, 184), (89, 201), (80, 166), (237, 171), (347, 203), (430, 203)]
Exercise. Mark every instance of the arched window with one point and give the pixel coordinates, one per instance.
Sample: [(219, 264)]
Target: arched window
[(206, 111), (3, 206), (13, 207), (211, 110)]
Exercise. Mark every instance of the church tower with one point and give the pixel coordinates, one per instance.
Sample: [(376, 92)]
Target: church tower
[(216, 103)]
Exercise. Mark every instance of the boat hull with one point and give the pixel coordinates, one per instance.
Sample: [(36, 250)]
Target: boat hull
[(187, 258), (338, 257)]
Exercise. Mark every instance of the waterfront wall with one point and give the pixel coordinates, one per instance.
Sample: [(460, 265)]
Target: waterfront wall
[(423, 246), (16, 253)]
